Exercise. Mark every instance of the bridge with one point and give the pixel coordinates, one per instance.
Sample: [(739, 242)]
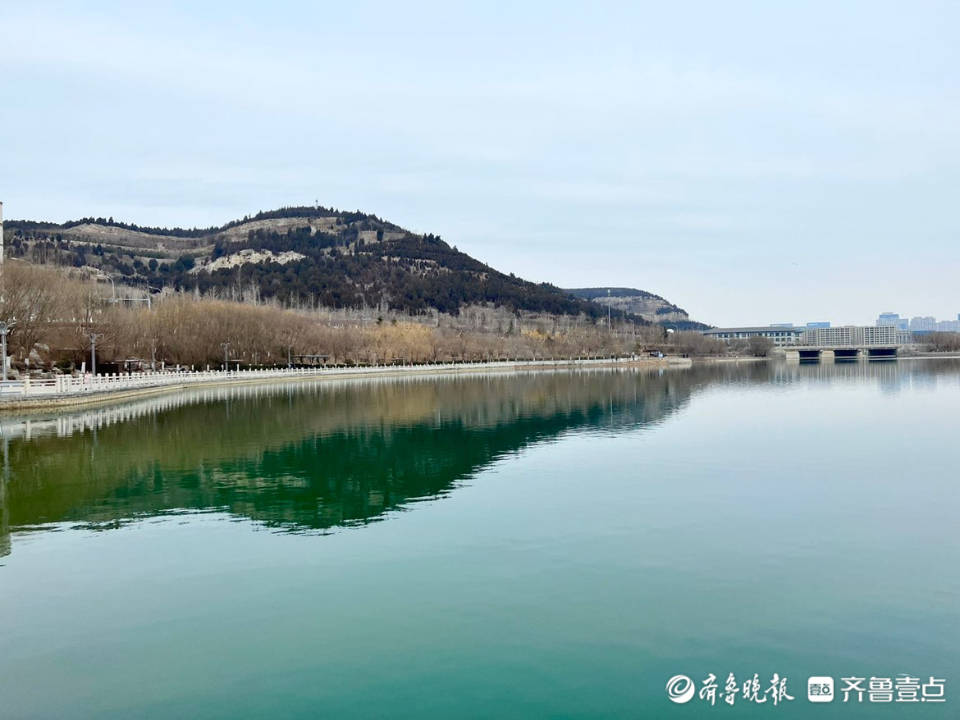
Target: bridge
[(847, 343), (807, 353)]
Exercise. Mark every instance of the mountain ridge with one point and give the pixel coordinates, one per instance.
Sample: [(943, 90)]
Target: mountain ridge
[(645, 304), (321, 255)]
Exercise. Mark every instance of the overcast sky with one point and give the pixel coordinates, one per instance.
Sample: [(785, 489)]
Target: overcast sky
[(753, 162)]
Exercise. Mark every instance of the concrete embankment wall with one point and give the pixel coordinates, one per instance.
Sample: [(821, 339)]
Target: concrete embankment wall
[(176, 382)]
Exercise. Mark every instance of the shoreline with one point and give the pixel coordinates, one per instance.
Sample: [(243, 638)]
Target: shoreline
[(12, 406), (931, 356)]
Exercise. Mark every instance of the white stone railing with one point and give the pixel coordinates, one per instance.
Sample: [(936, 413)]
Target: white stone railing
[(70, 385)]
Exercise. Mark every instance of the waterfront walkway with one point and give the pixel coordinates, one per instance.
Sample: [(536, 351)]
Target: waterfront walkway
[(72, 389)]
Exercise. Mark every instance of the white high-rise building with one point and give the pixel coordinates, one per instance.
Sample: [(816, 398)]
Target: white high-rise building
[(851, 336)]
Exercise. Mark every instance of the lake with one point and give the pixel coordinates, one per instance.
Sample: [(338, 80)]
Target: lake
[(556, 544)]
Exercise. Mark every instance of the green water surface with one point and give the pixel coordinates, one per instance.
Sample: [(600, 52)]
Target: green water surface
[(497, 546)]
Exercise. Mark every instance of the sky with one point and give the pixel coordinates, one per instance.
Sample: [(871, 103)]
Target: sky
[(753, 162)]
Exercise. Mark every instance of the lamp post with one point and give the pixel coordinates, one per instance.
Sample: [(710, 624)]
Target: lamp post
[(226, 355), (93, 352), (3, 347)]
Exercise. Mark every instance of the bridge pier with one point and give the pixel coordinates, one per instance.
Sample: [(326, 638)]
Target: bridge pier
[(806, 355), (881, 353)]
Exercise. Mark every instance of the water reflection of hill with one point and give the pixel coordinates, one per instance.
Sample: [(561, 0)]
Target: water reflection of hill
[(304, 457), (311, 457)]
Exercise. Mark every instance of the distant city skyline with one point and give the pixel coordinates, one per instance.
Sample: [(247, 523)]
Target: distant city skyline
[(784, 160), (920, 323)]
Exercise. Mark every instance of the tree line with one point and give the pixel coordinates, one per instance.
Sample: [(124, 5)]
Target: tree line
[(51, 314)]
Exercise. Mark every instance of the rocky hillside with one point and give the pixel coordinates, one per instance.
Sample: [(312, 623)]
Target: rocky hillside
[(303, 255), (652, 308)]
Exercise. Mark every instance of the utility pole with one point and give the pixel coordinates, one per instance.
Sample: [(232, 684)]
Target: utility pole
[(3, 341), (93, 352), (608, 310), (226, 355)]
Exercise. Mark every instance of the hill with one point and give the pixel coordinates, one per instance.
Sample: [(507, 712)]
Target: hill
[(650, 307), (298, 256)]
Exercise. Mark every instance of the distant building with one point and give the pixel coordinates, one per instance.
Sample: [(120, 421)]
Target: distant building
[(919, 324), (852, 336), (892, 319), (779, 335), (782, 325), (819, 324), (849, 336), (923, 324)]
